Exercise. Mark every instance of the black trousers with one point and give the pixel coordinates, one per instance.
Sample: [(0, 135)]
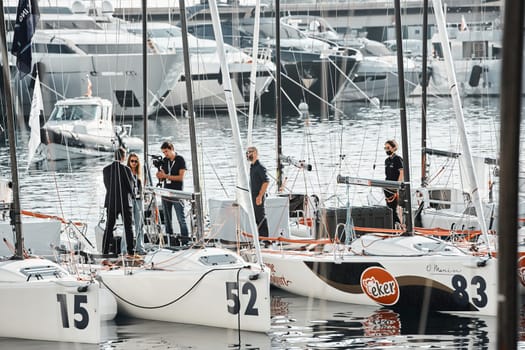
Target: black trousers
[(108, 240), (392, 201), (260, 219)]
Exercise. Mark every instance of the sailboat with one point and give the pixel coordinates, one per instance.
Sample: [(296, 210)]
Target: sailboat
[(40, 300), (202, 284), (406, 271), (445, 212)]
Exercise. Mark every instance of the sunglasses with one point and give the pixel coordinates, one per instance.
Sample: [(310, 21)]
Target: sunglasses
[(133, 161), (249, 152)]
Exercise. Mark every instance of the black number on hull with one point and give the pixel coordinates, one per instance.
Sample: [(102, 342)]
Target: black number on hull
[(232, 293), (78, 309), (460, 295)]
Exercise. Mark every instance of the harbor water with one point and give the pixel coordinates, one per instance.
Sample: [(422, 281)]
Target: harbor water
[(348, 142)]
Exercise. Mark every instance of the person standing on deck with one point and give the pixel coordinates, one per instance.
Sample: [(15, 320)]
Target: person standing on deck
[(119, 184), (259, 182), (138, 202), (393, 172), (172, 175)]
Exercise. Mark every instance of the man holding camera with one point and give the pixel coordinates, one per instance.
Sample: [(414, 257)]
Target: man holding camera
[(171, 174)]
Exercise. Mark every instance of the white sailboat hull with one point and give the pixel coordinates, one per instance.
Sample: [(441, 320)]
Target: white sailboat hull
[(40, 306), (385, 278), (183, 289)]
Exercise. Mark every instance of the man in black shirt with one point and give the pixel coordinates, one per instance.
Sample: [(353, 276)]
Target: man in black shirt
[(258, 185), (172, 176)]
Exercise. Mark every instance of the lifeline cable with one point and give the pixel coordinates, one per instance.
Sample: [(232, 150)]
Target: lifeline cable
[(169, 303)]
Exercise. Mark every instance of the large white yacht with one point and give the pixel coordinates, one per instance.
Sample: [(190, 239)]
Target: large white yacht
[(208, 92), (476, 53), (375, 76), (73, 45)]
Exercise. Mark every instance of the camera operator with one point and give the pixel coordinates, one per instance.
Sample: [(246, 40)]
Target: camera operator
[(171, 174)]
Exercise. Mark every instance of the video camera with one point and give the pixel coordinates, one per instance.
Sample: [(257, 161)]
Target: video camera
[(157, 161)]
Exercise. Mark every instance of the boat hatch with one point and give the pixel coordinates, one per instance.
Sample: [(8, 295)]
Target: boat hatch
[(40, 272), (428, 247), (218, 259)]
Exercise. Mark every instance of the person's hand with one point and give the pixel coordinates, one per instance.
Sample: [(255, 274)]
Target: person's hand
[(161, 175), (258, 200)]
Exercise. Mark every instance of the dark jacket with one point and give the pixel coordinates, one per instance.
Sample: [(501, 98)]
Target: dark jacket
[(119, 183)]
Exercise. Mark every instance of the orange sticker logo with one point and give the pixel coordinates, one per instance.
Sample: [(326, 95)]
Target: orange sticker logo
[(380, 286), (521, 270)]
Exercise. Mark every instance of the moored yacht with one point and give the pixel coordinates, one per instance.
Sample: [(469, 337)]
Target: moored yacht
[(376, 74), (312, 70), (66, 57), (83, 127), (477, 56), (205, 68)]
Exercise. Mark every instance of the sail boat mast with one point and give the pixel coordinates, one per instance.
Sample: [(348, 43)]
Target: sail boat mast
[(145, 82), (193, 138), (278, 107), (424, 77), (15, 206), (454, 92), (243, 188), (404, 127)]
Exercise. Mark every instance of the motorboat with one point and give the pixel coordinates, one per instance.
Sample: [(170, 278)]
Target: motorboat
[(71, 45), (476, 53), (312, 70), (205, 68), (376, 74), (67, 58), (84, 127)]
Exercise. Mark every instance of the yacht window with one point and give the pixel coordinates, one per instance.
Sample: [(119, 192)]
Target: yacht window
[(438, 50), (165, 33), (106, 48), (52, 48), (440, 199), (496, 52), (475, 49), (59, 48), (72, 113), (126, 98)]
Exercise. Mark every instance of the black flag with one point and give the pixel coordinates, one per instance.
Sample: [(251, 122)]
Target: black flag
[(27, 15)]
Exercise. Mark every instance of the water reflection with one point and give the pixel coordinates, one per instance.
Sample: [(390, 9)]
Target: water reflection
[(334, 326)]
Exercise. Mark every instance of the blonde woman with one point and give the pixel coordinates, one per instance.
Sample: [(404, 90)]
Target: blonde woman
[(138, 203)]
